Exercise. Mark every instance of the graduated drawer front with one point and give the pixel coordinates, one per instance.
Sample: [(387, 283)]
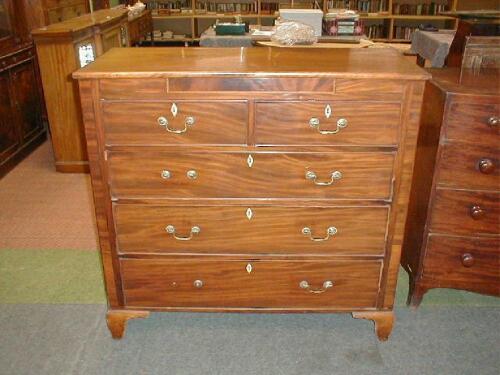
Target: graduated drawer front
[(474, 123), (154, 123), (466, 212), (472, 263), (257, 230), (327, 122), (257, 175), (261, 283), (470, 167)]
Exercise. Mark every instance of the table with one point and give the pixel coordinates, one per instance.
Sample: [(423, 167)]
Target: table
[(432, 45)]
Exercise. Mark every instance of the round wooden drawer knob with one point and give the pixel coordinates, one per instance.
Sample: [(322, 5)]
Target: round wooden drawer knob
[(493, 121), (486, 166), (476, 212), (467, 260)]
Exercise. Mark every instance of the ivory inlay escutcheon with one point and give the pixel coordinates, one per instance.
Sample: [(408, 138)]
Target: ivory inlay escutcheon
[(249, 213), (174, 109), (249, 268), (250, 161)]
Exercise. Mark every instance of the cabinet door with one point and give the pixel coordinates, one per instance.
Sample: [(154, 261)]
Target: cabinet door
[(9, 136), (26, 96)]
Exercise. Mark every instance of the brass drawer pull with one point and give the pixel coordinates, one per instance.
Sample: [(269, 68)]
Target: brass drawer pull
[(493, 121), (166, 174), (331, 231), (192, 174), (310, 175), (326, 285), (171, 230), (314, 123), (189, 121)]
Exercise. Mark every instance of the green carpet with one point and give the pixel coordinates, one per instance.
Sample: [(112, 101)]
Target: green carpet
[(75, 277)]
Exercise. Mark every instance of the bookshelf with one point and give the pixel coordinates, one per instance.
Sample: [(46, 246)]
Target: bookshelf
[(384, 20)]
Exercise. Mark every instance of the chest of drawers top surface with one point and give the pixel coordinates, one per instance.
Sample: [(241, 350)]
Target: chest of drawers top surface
[(252, 62)]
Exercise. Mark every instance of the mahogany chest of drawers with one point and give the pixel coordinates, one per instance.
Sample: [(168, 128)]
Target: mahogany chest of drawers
[(263, 180), (453, 231)]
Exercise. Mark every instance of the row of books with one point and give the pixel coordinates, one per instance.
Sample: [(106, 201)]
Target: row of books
[(431, 8), (214, 7), (365, 6), (403, 32), (375, 31), (269, 8)]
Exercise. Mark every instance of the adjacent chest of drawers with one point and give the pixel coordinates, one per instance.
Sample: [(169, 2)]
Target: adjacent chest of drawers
[(453, 231), (251, 179)]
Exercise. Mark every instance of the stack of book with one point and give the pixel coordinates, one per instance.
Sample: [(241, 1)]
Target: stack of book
[(420, 7)]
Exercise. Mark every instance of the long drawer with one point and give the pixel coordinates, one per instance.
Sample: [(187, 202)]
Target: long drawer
[(327, 122), (469, 263), (250, 284), (355, 175), (242, 229), (466, 212), (470, 166), (473, 123), (175, 123)]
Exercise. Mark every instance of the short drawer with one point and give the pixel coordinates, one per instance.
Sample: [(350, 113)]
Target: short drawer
[(252, 230), (468, 263), (466, 213), (332, 175), (250, 284), (175, 123), (469, 167), (327, 122), (474, 123)]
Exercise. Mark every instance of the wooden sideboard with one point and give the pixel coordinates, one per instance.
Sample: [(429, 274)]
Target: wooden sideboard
[(452, 235), (21, 107), (260, 179), (62, 48)]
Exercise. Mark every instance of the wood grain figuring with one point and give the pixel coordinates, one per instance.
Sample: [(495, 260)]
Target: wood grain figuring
[(254, 63), (452, 238), (421, 189), (250, 84), (466, 213), (216, 123), (468, 122), (228, 230), (215, 222), (101, 194), (272, 175), (57, 61), (287, 123), (153, 89), (445, 264), (459, 167), (353, 86), (157, 283), (411, 120)]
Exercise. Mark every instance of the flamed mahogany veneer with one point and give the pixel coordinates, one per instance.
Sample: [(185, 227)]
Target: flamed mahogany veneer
[(251, 180)]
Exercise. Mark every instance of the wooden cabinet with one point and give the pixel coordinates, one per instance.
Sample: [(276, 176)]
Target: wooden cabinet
[(21, 126), (247, 183), (453, 229), (41, 13), (139, 27), (62, 48)]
